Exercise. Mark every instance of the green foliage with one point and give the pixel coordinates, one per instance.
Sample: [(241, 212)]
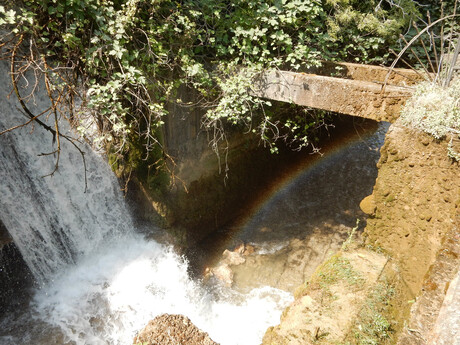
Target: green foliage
[(130, 57), (434, 109), (362, 31), (267, 33)]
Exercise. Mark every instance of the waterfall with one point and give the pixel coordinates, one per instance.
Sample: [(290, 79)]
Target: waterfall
[(51, 219), (98, 281)]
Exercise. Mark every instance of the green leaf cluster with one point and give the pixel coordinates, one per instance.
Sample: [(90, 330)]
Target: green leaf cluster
[(362, 31), (131, 56)]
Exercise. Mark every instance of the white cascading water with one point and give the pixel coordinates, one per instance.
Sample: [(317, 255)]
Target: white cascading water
[(100, 281), (51, 219)]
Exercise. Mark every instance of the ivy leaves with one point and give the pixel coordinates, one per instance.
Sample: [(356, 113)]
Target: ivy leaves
[(267, 32), (132, 55)]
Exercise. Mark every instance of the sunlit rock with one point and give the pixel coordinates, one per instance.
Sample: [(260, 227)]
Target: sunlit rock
[(233, 258), (367, 205), (222, 272), (169, 329)]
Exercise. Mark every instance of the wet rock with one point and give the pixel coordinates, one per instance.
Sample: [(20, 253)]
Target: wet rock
[(169, 329), (244, 249), (239, 249), (4, 235), (233, 258), (223, 272), (248, 250), (15, 280)]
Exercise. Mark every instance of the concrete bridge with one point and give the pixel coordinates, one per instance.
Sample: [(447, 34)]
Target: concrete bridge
[(345, 88)]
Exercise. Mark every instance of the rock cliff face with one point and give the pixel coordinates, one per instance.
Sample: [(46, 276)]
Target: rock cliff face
[(169, 329), (417, 198), (414, 220), (15, 280), (417, 222)]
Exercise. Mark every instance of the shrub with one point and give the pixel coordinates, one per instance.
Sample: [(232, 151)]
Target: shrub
[(434, 109)]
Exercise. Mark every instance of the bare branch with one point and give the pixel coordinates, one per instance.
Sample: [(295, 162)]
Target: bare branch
[(16, 90), (416, 37), (55, 132), (26, 123)]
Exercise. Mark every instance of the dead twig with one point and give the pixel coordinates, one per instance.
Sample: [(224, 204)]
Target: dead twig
[(16, 90), (25, 123)]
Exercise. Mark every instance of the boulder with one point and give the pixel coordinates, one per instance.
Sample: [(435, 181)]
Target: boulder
[(368, 206), (223, 272), (170, 329), (233, 258)]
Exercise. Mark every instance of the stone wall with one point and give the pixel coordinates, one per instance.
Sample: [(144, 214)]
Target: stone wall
[(209, 192), (202, 197)]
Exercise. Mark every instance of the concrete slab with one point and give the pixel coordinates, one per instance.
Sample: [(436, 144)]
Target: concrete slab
[(346, 96)]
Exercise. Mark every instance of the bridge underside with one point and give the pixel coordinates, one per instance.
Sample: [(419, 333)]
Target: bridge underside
[(349, 94)]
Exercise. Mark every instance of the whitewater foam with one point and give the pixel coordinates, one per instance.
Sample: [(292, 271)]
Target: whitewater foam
[(109, 296)]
